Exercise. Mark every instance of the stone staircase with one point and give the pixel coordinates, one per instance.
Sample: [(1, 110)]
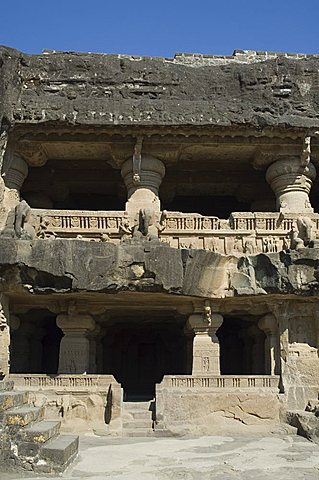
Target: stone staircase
[(28, 442), (138, 419)]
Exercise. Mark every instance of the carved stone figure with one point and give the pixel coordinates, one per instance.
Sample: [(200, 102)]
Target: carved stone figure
[(302, 233), (20, 222), (296, 243), (125, 229), (305, 228)]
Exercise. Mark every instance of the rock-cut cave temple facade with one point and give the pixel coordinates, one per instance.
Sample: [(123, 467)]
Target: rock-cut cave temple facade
[(159, 235)]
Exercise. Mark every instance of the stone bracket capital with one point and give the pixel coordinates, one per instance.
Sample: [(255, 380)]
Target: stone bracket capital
[(269, 324)]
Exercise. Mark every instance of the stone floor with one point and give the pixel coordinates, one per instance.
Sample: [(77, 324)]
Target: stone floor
[(215, 457)]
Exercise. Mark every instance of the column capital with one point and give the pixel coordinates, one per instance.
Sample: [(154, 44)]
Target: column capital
[(291, 182), (14, 322), (143, 185), (201, 324), (75, 324), (254, 331), (269, 324), (16, 173)]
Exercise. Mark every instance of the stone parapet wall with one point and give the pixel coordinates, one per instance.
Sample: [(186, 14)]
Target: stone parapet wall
[(243, 232), (204, 406), (80, 402), (269, 382)]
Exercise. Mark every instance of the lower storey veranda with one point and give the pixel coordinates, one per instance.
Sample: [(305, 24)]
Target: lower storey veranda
[(138, 342)]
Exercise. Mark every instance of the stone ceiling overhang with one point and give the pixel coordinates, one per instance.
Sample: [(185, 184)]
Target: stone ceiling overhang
[(257, 89)]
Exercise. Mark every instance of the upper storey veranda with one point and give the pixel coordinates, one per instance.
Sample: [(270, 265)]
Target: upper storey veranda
[(194, 134)]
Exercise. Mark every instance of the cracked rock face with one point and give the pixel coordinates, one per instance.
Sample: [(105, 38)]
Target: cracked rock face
[(100, 89), (151, 266)]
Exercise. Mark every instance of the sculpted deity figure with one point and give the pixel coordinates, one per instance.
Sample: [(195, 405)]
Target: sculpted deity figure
[(302, 233)]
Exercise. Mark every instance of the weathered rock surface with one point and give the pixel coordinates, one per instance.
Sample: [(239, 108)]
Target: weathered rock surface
[(75, 265), (307, 424), (251, 89)]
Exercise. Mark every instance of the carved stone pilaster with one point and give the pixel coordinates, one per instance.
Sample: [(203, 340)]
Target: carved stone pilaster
[(74, 354), (257, 351), (36, 349), (16, 173), (21, 346), (269, 325), (206, 355), (4, 338), (143, 185), (94, 337), (316, 317), (291, 182)]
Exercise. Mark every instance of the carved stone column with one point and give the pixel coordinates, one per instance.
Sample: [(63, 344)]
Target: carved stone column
[(189, 334), (74, 357), (93, 339), (248, 348), (206, 356), (14, 177), (4, 338), (269, 325), (20, 351), (16, 173), (257, 351), (36, 349), (100, 351), (291, 183), (142, 182)]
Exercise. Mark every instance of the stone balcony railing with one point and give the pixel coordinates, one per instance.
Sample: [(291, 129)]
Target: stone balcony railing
[(220, 382), (35, 381), (242, 233)]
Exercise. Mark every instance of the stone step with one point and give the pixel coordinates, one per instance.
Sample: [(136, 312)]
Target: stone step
[(10, 399), (141, 415), (40, 432), (22, 416), (136, 405), (60, 451), (137, 424), (6, 386), (132, 432)]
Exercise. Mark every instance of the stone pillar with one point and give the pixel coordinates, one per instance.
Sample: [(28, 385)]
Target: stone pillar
[(4, 338), (257, 351), (100, 352), (74, 357), (269, 325), (16, 173), (36, 349), (291, 183), (14, 178), (206, 356), (143, 184), (189, 334), (247, 353), (93, 339), (20, 351)]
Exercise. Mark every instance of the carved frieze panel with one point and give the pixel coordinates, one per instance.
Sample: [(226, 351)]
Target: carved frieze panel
[(244, 233)]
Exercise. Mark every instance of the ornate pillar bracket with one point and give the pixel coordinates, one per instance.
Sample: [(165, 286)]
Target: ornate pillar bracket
[(291, 179), (269, 325), (206, 357), (142, 176), (74, 354)]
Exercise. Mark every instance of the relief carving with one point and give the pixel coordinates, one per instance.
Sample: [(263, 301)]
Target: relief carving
[(210, 233)]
